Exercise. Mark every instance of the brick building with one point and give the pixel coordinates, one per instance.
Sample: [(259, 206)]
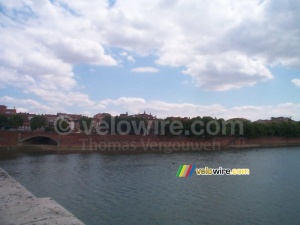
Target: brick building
[(4, 110), (99, 117), (26, 120), (145, 116), (73, 119)]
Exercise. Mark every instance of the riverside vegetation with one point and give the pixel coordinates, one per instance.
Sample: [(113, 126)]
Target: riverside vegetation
[(190, 127)]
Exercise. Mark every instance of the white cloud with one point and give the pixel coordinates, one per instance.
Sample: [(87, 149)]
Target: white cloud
[(123, 101), (161, 109), (123, 54), (204, 35), (221, 44), (28, 105), (81, 50), (130, 59), (68, 98), (127, 56), (40, 47), (296, 82), (54, 103), (164, 109), (145, 70), (210, 71)]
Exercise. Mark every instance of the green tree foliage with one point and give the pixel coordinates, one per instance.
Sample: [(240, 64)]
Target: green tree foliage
[(62, 126), (85, 122), (272, 129), (108, 120), (38, 122), (49, 129), (194, 127), (3, 121), (16, 121), (130, 125)]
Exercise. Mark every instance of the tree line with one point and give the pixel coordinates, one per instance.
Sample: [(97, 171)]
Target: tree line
[(11, 122), (192, 127), (211, 127)]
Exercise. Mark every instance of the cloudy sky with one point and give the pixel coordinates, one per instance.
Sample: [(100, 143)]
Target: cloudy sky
[(222, 58)]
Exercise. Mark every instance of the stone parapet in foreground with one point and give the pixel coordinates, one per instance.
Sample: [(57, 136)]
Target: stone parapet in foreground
[(18, 206)]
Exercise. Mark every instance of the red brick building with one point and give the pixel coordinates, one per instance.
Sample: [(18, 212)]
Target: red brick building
[(26, 120), (4, 110), (73, 119), (145, 116)]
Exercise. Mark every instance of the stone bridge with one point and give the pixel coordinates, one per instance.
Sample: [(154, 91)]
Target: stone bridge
[(39, 138)]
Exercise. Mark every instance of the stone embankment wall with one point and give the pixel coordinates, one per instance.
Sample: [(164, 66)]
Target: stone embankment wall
[(18, 206), (10, 139)]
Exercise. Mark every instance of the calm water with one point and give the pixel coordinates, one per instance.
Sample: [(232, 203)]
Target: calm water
[(143, 189)]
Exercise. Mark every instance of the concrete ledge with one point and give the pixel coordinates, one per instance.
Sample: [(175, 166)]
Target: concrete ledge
[(19, 207)]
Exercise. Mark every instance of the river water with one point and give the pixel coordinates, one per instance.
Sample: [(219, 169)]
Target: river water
[(143, 188)]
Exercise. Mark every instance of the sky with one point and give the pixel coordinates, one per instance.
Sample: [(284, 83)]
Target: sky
[(221, 58)]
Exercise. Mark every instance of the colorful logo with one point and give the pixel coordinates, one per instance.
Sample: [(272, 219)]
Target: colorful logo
[(185, 170)]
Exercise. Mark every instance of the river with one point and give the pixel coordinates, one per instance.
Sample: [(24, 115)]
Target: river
[(143, 188)]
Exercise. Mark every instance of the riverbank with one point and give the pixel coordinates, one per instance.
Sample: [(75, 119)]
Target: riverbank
[(18, 206), (121, 148), (39, 142)]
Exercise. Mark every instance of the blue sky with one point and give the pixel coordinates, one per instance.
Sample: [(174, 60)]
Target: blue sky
[(182, 58)]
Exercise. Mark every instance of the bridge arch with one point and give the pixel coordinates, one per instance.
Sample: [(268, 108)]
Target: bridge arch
[(39, 140)]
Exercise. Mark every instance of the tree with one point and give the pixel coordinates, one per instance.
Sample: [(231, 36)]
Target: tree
[(196, 125), (108, 120), (85, 122), (206, 120), (249, 129), (62, 126), (38, 122), (16, 121), (49, 129), (3, 121)]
